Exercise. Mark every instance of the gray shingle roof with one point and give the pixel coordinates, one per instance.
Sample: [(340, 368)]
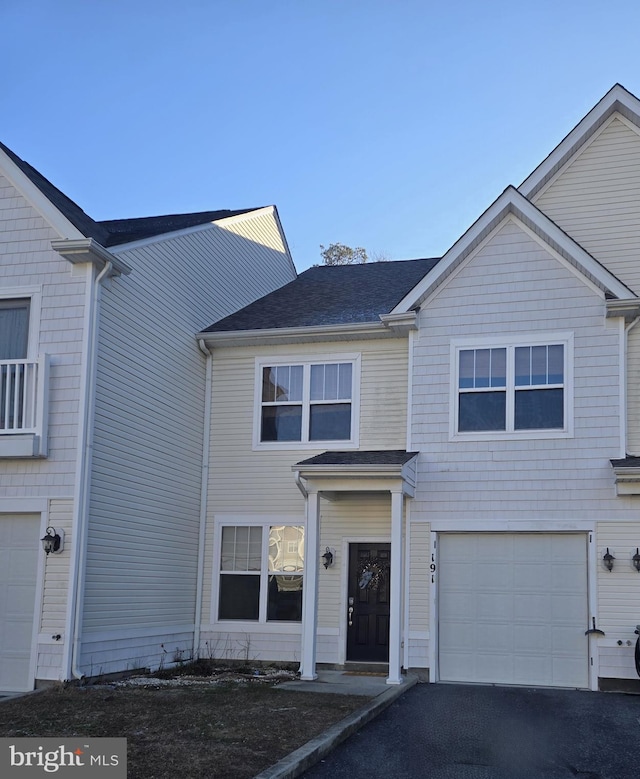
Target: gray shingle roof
[(626, 462), (331, 295), (127, 230), (114, 232), (382, 457)]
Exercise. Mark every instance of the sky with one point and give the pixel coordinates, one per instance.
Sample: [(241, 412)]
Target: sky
[(386, 124)]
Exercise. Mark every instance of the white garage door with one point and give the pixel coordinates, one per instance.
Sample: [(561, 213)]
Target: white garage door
[(513, 608), (18, 571)]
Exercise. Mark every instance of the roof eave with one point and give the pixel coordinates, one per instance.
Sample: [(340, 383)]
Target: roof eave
[(82, 250), (295, 334), (629, 309)]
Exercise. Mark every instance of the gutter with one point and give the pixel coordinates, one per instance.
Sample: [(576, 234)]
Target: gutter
[(81, 250), (204, 487), (83, 473)]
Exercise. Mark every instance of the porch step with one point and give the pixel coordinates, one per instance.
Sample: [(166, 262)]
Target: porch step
[(367, 668)]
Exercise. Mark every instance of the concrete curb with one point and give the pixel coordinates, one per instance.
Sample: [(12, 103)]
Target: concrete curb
[(310, 753)]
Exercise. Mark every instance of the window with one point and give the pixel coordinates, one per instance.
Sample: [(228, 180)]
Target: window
[(307, 402), (14, 329), (14, 384), (512, 388), (261, 573)]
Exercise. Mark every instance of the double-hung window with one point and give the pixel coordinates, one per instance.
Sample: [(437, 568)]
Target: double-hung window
[(305, 402), (261, 573), (516, 387)]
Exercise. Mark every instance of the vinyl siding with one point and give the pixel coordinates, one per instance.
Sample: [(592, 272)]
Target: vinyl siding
[(596, 199), (618, 598), (149, 411), (260, 483), (513, 285), (419, 593), (27, 260)]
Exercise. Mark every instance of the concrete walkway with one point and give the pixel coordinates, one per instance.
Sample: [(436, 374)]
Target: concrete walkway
[(380, 694)]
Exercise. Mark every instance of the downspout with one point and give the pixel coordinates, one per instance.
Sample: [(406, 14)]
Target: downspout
[(204, 487), (300, 485), (624, 387), (83, 474)]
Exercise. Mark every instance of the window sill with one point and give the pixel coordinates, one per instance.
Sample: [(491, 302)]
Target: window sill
[(22, 445), (242, 626), (285, 446), (523, 435)]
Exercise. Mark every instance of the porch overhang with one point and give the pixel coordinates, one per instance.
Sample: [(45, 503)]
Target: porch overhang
[(627, 472), (360, 471)]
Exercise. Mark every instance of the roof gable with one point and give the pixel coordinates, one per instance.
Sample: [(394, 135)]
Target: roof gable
[(75, 223), (618, 99), (512, 202)]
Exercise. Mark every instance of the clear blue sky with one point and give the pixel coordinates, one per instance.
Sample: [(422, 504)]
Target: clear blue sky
[(385, 124)]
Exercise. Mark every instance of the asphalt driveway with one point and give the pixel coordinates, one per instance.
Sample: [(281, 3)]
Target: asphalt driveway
[(440, 731)]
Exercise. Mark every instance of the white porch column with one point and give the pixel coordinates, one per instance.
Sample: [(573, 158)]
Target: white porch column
[(310, 588), (395, 618)]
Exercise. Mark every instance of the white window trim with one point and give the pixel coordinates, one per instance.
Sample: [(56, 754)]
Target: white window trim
[(494, 342), (34, 295), (263, 362), (265, 522)]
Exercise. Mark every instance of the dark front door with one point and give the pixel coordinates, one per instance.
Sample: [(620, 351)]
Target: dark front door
[(368, 631)]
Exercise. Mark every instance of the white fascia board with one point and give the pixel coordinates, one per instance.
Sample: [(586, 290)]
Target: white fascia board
[(37, 199), (364, 330), (617, 99), (88, 250), (512, 202)]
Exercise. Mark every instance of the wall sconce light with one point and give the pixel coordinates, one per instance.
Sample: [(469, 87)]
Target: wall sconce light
[(608, 559), (636, 560), (53, 540), (328, 557)]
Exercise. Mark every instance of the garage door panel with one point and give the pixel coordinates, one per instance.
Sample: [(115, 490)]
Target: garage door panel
[(519, 612), (493, 606), (18, 574), (530, 606)]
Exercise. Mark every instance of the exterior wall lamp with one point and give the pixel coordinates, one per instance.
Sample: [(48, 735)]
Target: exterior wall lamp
[(636, 560), (53, 540), (608, 559), (328, 557)]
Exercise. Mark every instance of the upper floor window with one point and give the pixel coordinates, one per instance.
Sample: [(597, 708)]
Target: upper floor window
[(14, 329), (512, 388), (307, 402)]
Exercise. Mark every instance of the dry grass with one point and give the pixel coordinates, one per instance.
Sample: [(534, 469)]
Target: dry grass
[(231, 730)]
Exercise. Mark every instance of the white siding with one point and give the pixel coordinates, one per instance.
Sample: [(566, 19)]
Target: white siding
[(27, 260), (55, 596), (147, 455), (596, 199), (419, 593), (514, 286), (245, 482), (618, 598)]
